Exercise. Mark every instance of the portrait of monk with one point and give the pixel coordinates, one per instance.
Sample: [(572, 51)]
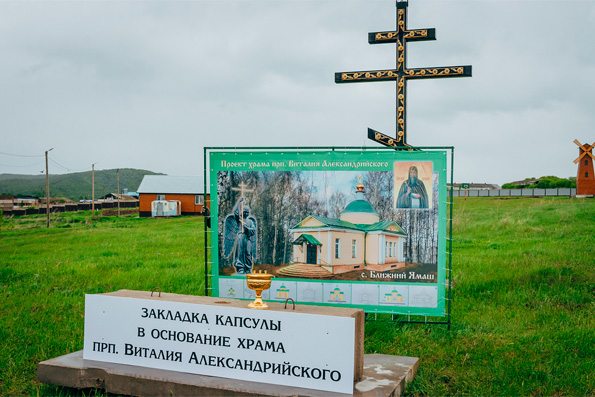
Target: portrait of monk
[(412, 193)]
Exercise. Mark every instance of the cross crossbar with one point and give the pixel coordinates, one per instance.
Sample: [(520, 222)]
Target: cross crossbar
[(242, 189), (393, 74), (393, 37)]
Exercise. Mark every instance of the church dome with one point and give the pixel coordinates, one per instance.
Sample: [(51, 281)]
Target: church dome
[(360, 211), (359, 206)]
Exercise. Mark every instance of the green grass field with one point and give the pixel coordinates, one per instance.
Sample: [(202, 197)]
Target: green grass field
[(523, 312)]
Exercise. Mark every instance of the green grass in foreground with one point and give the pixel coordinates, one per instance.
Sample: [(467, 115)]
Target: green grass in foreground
[(45, 273), (524, 304), (523, 311)]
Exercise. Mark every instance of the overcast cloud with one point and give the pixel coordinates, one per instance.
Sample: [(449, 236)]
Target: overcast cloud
[(149, 84)]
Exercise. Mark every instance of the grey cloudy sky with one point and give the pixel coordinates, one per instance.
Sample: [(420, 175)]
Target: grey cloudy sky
[(148, 84)]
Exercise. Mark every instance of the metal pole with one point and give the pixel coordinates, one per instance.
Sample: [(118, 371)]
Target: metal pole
[(47, 189), (92, 189), (450, 215), (205, 232), (118, 182)]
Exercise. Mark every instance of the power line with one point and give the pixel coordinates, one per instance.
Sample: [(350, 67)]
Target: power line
[(41, 162), (66, 168), (21, 155), (30, 165)]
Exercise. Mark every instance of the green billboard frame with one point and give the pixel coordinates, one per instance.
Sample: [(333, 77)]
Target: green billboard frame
[(439, 315)]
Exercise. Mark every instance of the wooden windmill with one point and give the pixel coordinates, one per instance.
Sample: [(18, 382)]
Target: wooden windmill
[(585, 178)]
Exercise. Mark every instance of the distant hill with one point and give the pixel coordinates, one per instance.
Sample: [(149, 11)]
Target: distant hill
[(17, 176), (76, 186)]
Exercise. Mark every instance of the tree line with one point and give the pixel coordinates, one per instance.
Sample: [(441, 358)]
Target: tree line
[(545, 182)]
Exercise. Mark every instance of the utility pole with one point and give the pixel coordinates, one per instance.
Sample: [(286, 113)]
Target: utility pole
[(47, 189), (93, 189), (118, 192)]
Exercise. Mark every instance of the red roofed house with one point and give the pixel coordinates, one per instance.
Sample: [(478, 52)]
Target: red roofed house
[(189, 190)]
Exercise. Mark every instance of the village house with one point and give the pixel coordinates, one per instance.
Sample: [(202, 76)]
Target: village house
[(26, 201), (188, 190), (480, 186), (116, 197), (6, 202)]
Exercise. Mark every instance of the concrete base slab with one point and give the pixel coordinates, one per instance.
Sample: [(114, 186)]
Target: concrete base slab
[(383, 375)]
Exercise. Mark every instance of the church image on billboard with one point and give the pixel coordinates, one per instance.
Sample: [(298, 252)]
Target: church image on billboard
[(357, 239)]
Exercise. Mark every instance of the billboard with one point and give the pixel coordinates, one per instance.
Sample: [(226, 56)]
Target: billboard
[(356, 228)]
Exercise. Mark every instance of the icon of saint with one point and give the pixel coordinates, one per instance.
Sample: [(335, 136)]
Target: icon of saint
[(412, 193)]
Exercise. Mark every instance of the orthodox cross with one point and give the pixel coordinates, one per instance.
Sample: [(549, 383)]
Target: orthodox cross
[(401, 74), (242, 189)]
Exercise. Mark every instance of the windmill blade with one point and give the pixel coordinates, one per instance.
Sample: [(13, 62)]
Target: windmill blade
[(581, 156), (577, 142), (587, 151)]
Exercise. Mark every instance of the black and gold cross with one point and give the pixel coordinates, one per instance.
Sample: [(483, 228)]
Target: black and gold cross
[(401, 74)]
